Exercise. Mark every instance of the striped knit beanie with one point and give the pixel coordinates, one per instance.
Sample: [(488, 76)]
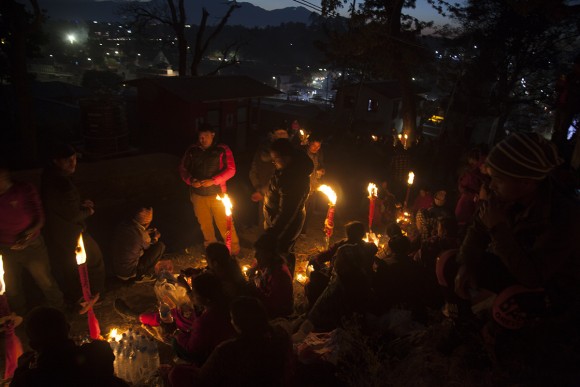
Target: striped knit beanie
[(524, 156), (144, 215)]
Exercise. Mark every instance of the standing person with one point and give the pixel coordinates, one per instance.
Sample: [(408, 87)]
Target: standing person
[(21, 245), (205, 168), (314, 152), (284, 203), (136, 247), (65, 220), (262, 170)]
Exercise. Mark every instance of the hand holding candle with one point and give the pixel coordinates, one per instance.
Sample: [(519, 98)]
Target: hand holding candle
[(228, 209)]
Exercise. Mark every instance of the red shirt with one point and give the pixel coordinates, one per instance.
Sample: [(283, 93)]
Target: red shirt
[(20, 208)]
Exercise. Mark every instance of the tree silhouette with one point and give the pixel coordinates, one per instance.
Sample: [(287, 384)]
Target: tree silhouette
[(172, 13), (380, 41)]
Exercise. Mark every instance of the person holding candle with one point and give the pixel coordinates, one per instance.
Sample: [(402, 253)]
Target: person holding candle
[(136, 247), (205, 168), (21, 244), (262, 169), (284, 203), (314, 150), (66, 214)]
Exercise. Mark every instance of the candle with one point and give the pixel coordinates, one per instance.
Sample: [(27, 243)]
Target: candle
[(409, 184), (12, 344), (329, 221), (405, 143), (372, 189), (81, 256), (228, 209)]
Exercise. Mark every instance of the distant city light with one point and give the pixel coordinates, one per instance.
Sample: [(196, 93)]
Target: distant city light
[(89, 59), (95, 22), (138, 54), (71, 38), (117, 52)]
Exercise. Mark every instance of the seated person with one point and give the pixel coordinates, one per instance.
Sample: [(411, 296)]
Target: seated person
[(319, 278), (54, 359), (426, 219), (259, 356), (423, 201), (136, 247), (271, 278), (98, 366), (211, 327), (348, 291), (226, 269), (397, 281), (525, 237)]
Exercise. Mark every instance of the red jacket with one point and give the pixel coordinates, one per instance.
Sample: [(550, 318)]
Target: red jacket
[(210, 329), (20, 209), (195, 165)]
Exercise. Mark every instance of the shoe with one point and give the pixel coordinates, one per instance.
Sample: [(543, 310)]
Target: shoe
[(147, 278), (124, 310)]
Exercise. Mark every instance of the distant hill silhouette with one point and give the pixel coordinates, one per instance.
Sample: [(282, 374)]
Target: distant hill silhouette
[(248, 15)]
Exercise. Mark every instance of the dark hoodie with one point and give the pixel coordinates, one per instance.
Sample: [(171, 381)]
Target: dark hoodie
[(284, 211)]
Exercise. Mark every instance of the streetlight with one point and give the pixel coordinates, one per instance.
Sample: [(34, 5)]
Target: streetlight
[(71, 38)]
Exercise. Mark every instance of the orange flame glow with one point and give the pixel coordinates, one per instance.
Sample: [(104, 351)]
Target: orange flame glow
[(325, 189), (81, 254), (227, 203)]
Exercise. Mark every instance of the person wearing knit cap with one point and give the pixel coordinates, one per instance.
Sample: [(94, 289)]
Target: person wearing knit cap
[(136, 247), (526, 234)]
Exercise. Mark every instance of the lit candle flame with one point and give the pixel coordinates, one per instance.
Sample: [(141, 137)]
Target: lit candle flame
[(2, 283), (329, 193), (309, 269), (245, 269), (372, 188), (400, 136), (81, 254), (300, 278), (374, 138), (371, 238), (406, 136), (301, 133), (411, 178), (227, 203)]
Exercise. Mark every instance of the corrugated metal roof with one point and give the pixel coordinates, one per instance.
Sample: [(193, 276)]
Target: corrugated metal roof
[(207, 89)]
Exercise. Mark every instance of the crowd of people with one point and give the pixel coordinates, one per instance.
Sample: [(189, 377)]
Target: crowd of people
[(511, 233)]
